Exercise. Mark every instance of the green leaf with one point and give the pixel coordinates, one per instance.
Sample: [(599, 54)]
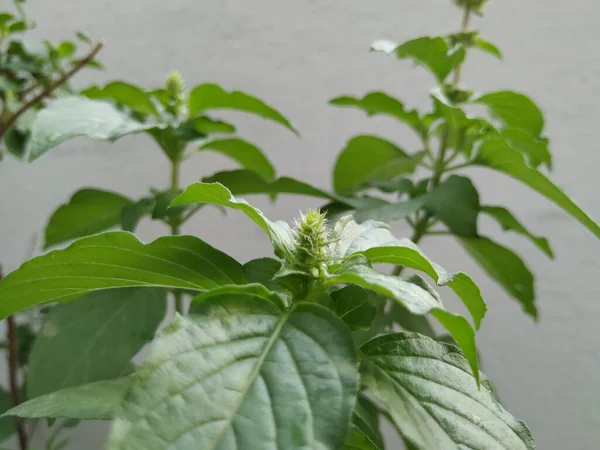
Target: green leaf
[(411, 322), (114, 260), (89, 211), (69, 117), (514, 110), (93, 401), (243, 373), (536, 150), (7, 424), (413, 297), (375, 103), (355, 306), (280, 233), (390, 211), (132, 214), (15, 142), (487, 47), (66, 49), (500, 156), (94, 338), (367, 158), (456, 203), (126, 94), (266, 271), (211, 96), (433, 53), (366, 419), (506, 268), (509, 223), (433, 399), (248, 155), (358, 440), (206, 125)]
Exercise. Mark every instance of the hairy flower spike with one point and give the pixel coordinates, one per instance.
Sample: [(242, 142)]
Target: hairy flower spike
[(312, 238), (175, 86)]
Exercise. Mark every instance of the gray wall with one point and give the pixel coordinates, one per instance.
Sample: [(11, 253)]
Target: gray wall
[(297, 55)]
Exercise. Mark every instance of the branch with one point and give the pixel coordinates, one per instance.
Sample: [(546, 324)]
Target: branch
[(46, 92), (13, 375)]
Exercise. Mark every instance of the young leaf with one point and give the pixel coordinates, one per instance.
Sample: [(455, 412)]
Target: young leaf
[(114, 260), (248, 155), (93, 401), (89, 211), (126, 94), (279, 232), (243, 373), (509, 223), (500, 156), (375, 103), (211, 96), (355, 306), (367, 158), (514, 110), (506, 268), (70, 117), (456, 203), (366, 419), (433, 53), (418, 300), (94, 338), (433, 399), (487, 47)]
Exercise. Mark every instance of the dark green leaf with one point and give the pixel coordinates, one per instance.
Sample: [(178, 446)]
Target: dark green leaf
[(514, 110), (70, 117), (366, 419), (15, 142), (211, 96), (113, 260), (237, 364), (456, 203), (433, 53), (93, 401), (267, 271), (132, 214), (7, 424), (433, 399), (488, 47), (248, 155), (126, 94), (390, 211), (94, 338), (509, 223), (279, 232), (500, 156), (367, 158), (411, 322), (89, 211), (416, 299), (355, 306), (506, 268), (397, 185), (375, 103)]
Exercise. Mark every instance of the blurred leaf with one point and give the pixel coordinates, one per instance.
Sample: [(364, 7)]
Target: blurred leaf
[(514, 110), (367, 158), (206, 125), (534, 148), (211, 96), (506, 268), (488, 47), (89, 211), (126, 94), (509, 223), (248, 155)]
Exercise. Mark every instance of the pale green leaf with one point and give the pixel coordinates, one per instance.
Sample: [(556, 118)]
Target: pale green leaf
[(243, 374), (67, 118), (280, 233), (114, 260), (433, 397), (509, 223), (248, 155), (94, 401), (504, 266), (534, 148), (93, 339), (432, 53), (500, 156), (375, 103), (366, 158), (211, 96), (89, 211), (126, 94), (514, 110), (487, 47)]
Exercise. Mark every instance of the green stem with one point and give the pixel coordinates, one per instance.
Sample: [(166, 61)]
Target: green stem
[(175, 223)]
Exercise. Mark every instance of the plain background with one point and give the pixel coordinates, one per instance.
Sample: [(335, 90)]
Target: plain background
[(299, 54)]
